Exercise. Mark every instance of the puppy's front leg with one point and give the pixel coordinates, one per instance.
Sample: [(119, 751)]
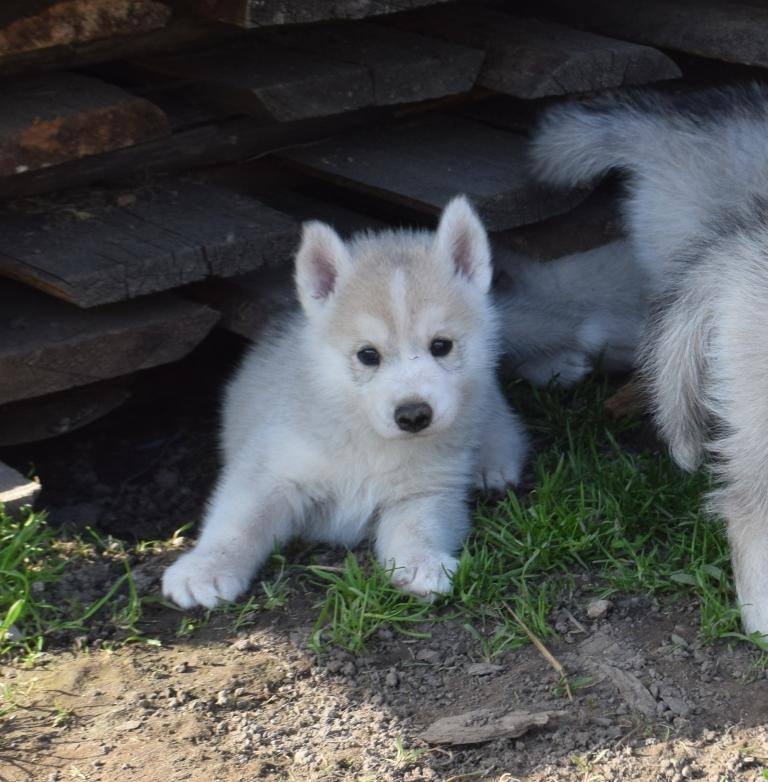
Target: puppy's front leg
[(418, 537), (243, 523), (503, 446)]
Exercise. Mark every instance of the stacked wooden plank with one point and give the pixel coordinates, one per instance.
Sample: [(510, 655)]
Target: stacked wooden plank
[(730, 31), (390, 115)]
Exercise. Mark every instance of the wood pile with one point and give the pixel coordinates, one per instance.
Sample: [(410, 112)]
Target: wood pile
[(158, 156)]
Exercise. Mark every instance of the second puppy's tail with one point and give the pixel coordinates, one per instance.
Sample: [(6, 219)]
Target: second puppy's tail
[(576, 143)]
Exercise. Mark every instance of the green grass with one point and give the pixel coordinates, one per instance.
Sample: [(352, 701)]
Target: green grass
[(624, 519), (32, 557), (603, 512)]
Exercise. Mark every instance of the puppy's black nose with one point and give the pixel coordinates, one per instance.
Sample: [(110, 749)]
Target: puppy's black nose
[(413, 416)]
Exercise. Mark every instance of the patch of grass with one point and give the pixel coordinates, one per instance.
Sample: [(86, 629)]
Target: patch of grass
[(607, 509), (26, 565), (357, 602), (33, 557), (623, 517), (270, 594)]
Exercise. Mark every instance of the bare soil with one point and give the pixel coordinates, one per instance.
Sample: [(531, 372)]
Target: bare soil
[(259, 705)]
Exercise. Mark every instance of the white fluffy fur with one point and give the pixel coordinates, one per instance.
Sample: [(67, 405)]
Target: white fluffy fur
[(310, 443), (696, 212)]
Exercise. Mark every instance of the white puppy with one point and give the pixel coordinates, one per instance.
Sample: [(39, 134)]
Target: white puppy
[(372, 411), (697, 213)]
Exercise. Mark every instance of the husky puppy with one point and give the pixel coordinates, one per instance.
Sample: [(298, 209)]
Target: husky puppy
[(697, 215), (563, 318), (372, 411)]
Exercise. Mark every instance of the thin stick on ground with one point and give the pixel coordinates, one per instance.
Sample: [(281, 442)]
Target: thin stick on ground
[(543, 651)]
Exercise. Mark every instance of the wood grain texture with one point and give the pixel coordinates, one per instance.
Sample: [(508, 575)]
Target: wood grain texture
[(402, 66), (110, 247), (529, 58), (47, 345), (264, 13), (422, 164), (268, 81), (51, 119), (731, 31), (289, 74), (224, 141)]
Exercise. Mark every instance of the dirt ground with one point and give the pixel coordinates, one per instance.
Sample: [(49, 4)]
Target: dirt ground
[(650, 701)]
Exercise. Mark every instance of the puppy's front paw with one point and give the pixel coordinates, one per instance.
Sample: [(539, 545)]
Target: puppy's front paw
[(196, 579), (426, 577)]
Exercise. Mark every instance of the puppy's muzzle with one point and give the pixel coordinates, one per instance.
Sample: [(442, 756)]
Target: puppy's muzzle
[(413, 416)]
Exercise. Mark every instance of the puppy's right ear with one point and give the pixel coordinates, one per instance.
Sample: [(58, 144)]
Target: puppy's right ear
[(321, 262)]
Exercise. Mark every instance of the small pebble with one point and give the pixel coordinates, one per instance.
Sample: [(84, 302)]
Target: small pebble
[(597, 609)]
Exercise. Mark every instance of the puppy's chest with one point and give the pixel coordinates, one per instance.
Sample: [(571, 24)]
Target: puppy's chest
[(347, 492)]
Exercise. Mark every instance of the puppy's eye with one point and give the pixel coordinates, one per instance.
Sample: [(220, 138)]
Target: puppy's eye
[(369, 356), (440, 347)]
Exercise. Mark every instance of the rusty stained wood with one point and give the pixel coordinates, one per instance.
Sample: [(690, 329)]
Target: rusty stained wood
[(46, 120), (422, 164), (220, 141), (530, 58), (731, 31), (96, 247), (265, 13), (32, 25), (291, 74), (48, 345)]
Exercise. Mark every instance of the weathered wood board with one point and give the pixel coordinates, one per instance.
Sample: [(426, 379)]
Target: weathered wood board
[(291, 74), (269, 81), (731, 31), (402, 66), (180, 31), (16, 490), (248, 303), (40, 418), (505, 112), (422, 164), (529, 58), (222, 141), (264, 13), (47, 345), (31, 25), (107, 247), (47, 120)]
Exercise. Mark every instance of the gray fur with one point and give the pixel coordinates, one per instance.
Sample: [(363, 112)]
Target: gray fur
[(564, 317), (695, 211)]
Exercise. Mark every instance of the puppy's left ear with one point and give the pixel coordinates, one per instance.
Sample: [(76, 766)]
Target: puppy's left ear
[(462, 240)]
